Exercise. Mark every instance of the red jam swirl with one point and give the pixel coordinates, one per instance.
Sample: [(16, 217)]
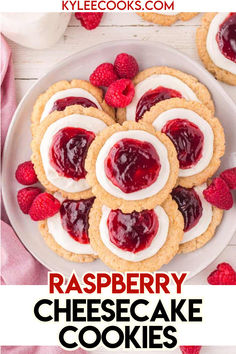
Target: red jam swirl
[(132, 165), (187, 139), (189, 205), (226, 37), (152, 97), (75, 218), (132, 232), (62, 103), (68, 152)]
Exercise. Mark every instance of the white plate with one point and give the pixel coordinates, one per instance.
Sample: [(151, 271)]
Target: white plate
[(80, 65)]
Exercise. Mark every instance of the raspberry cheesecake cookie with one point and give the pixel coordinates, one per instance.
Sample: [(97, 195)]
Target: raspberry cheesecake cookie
[(197, 135), (60, 148), (166, 18), (161, 83), (131, 167), (200, 217), (65, 93), (66, 233), (216, 43), (136, 241)]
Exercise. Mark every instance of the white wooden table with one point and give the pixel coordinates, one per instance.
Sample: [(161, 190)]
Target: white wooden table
[(30, 64)]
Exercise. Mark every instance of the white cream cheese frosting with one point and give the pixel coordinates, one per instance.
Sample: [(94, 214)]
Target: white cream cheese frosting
[(154, 81), (204, 220), (62, 237), (212, 46), (73, 92), (146, 192), (203, 125), (92, 124), (157, 242)]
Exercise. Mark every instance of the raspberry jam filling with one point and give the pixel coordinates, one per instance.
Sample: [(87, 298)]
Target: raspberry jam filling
[(226, 37), (62, 103), (151, 97), (189, 205), (74, 218), (187, 139), (132, 165), (68, 152), (132, 232)]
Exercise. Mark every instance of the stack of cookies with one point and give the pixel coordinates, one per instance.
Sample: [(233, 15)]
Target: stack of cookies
[(130, 182)]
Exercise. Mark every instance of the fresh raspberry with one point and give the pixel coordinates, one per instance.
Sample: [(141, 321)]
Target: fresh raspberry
[(120, 93), (218, 194), (126, 66), (103, 75), (223, 275), (26, 196), (229, 176), (25, 173), (89, 20), (44, 206), (190, 349)]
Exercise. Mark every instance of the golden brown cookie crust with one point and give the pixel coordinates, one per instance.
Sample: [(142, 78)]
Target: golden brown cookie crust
[(65, 85), (35, 145), (198, 88), (129, 205), (205, 113), (62, 252), (201, 39), (202, 239), (165, 20), (163, 256)]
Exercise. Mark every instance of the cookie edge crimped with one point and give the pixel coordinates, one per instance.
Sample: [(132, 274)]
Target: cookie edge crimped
[(165, 20), (218, 131), (163, 256), (206, 236), (118, 203), (41, 101), (58, 249), (198, 88), (36, 141)]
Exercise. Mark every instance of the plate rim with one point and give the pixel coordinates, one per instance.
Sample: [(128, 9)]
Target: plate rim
[(62, 62)]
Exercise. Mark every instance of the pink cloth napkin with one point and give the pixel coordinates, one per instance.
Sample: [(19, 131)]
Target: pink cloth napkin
[(18, 267), (8, 97)]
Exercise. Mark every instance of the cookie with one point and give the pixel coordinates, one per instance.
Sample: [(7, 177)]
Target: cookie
[(197, 135), (167, 19), (66, 233), (60, 147), (200, 217), (160, 83), (131, 167), (215, 61), (136, 247), (65, 93)]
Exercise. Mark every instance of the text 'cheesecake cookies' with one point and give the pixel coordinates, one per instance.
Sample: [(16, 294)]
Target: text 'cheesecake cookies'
[(166, 18), (60, 149), (216, 43), (63, 94), (66, 233), (161, 83), (136, 241), (197, 135), (200, 217), (131, 167)]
